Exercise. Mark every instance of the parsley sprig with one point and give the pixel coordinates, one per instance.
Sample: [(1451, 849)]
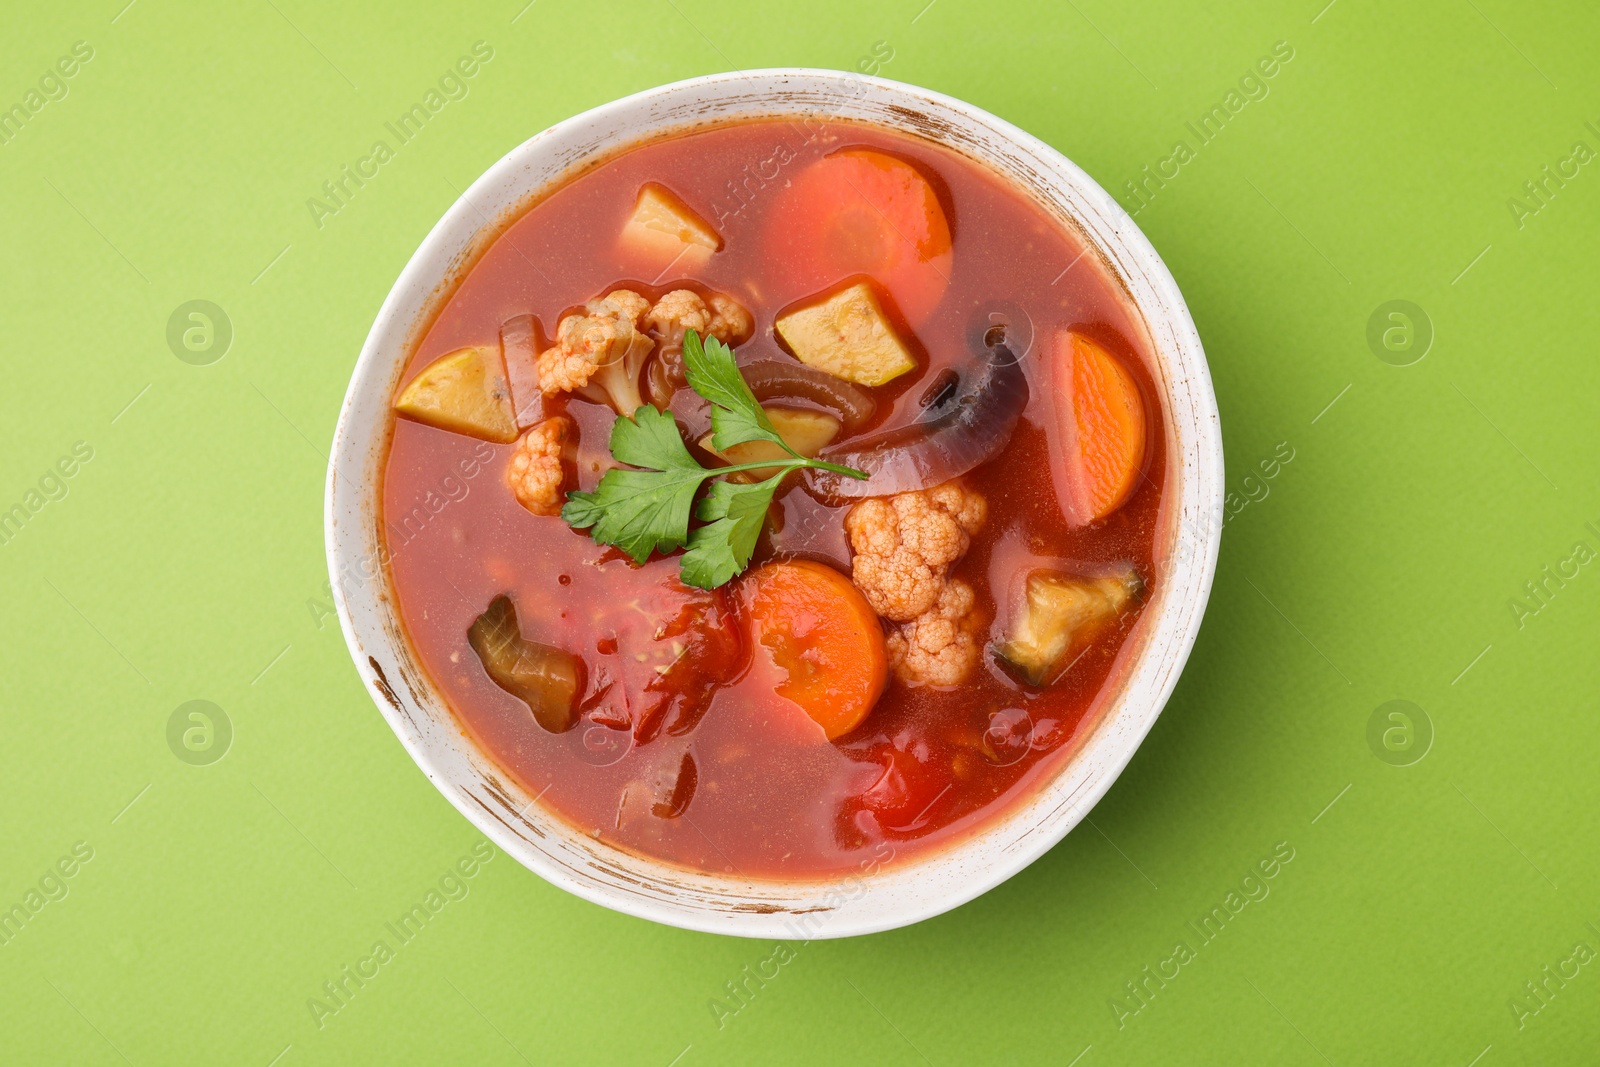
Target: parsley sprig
[(647, 509)]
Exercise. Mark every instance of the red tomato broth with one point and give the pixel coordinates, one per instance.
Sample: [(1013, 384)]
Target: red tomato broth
[(766, 796)]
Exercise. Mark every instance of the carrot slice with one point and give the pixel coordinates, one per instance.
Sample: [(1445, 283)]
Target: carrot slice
[(864, 212), (819, 631), (1101, 426)]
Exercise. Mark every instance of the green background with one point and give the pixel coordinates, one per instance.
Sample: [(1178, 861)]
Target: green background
[(186, 560)]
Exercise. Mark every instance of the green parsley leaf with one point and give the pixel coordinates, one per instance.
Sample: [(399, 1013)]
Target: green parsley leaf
[(647, 509), (736, 415), (651, 440), (641, 511), (733, 513)]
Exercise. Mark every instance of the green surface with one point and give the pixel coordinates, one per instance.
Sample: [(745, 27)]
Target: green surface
[(185, 560)]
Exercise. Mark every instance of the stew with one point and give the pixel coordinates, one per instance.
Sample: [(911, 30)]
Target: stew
[(778, 499)]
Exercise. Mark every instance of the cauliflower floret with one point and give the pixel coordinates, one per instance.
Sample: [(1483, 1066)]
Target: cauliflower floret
[(682, 310), (605, 345), (730, 322), (678, 311), (535, 473), (940, 646), (904, 545), (721, 317), (622, 304), (601, 351)]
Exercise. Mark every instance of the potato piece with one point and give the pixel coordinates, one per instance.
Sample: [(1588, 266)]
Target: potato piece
[(847, 335), (464, 392), (808, 433), (665, 231), (1061, 616)]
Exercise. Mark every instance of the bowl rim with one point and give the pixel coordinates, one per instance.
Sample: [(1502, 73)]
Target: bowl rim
[(623, 881)]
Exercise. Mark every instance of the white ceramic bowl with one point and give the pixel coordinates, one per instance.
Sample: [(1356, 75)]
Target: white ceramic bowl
[(1190, 524)]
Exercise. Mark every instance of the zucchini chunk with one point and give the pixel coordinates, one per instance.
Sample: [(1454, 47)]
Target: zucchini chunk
[(1061, 615)]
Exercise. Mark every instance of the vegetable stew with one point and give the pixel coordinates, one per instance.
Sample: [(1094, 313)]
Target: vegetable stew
[(778, 499)]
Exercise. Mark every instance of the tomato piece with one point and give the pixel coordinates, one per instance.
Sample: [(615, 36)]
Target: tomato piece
[(906, 790), (1101, 429), (859, 211), (660, 656), (707, 650), (823, 637)]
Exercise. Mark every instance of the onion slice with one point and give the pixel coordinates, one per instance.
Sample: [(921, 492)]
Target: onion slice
[(519, 345), (963, 429), (776, 380)]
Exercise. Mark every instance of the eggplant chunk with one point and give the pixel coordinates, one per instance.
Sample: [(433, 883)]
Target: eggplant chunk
[(1060, 616), (464, 392), (545, 678)]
